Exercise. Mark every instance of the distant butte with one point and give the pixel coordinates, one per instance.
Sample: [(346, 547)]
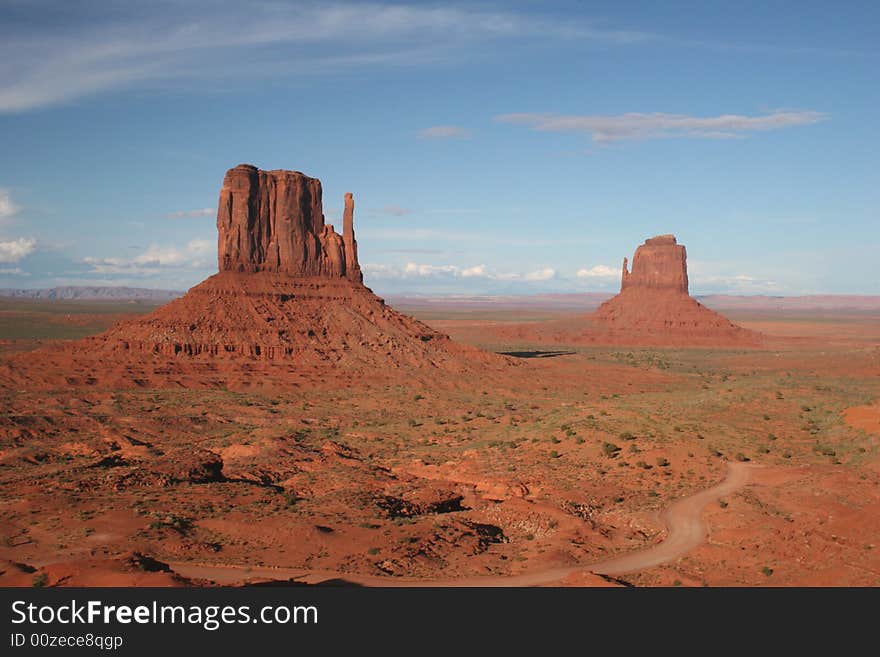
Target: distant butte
[(653, 308), (654, 305)]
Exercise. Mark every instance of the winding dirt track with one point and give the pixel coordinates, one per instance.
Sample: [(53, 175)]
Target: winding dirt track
[(685, 530)]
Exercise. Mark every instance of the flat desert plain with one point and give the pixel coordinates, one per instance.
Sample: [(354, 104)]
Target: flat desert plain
[(572, 465)]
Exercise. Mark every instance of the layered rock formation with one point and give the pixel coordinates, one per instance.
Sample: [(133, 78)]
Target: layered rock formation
[(288, 301), (659, 264), (654, 306), (273, 221)]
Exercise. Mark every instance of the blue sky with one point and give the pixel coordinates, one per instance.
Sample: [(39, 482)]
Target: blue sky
[(491, 147)]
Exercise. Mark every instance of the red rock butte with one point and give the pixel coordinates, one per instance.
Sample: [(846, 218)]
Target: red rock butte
[(288, 300), (659, 264), (273, 221), (654, 305)]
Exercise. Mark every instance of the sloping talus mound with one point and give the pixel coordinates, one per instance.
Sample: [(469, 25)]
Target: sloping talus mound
[(288, 302)]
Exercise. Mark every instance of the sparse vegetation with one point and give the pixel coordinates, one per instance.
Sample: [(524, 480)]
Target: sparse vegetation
[(610, 449)]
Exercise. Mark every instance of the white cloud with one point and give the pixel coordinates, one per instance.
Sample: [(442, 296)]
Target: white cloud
[(201, 212), (659, 125), (7, 207), (16, 250), (477, 271), (413, 270), (193, 255), (444, 132), (197, 254), (94, 50), (598, 271), (541, 275), (13, 271)]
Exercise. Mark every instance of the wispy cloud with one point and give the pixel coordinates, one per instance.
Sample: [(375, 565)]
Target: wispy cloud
[(735, 284), (47, 60), (16, 250), (7, 207), (425, 235), (393, 210), (413, 270), (201, 212), (604, 129), (444, 132), (413, 251), (195, 255), (13, 271)]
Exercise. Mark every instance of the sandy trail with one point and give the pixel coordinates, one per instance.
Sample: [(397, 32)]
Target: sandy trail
[(685, 530)]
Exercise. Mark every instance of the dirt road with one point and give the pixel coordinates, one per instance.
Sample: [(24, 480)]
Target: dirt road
[(684, 526)]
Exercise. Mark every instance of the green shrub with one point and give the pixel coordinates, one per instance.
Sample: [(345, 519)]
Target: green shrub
[(610, 450)]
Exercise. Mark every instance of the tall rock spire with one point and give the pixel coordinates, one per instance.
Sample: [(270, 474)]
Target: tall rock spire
[(351, 258)]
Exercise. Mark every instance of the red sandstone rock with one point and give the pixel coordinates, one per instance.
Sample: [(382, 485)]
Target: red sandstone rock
[(353, 270), (659, 264), (654, 307), (274, 221)]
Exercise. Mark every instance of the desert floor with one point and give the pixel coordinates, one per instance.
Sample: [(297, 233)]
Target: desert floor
[(548, 475)]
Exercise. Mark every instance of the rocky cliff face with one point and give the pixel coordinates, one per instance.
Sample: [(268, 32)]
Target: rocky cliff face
[(659, 264), (273, 221)]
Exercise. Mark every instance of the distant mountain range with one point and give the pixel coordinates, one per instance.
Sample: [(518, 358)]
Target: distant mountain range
[(92, 293)]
